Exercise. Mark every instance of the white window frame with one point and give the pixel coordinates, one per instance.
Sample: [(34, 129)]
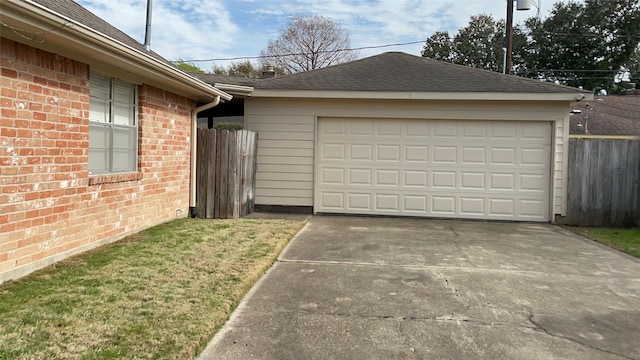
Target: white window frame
[(107, 155)]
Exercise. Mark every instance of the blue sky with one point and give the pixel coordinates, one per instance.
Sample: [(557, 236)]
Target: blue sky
[(217, 29)]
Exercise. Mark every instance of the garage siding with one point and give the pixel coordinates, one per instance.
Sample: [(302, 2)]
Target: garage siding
[(286, 129)]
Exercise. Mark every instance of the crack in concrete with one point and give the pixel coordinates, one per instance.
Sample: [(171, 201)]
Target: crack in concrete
[(542, 329), (457, 318), (412, 267)]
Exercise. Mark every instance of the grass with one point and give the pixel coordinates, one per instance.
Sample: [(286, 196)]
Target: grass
[(625, 240), (159, 294)]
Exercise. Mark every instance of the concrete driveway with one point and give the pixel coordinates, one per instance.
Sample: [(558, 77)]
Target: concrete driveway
[(395, 288)]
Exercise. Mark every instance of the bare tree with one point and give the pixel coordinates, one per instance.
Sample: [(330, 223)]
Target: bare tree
[(307, 43)]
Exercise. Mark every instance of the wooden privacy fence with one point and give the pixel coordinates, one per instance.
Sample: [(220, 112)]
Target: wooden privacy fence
[(603, 182), (225, 176)]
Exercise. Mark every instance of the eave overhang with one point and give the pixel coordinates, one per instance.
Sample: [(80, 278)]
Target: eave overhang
[(30, 23)]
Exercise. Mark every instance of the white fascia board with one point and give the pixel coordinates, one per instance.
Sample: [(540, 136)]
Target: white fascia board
[(61, 35), (390, 95), (235, 89)]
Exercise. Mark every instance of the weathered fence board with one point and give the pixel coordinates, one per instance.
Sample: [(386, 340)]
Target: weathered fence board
[(603, 182), (223, 167)]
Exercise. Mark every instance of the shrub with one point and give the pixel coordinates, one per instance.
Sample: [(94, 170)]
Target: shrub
[(229, 126)]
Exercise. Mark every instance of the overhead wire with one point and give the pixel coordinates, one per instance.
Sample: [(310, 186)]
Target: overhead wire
[(302, 53)]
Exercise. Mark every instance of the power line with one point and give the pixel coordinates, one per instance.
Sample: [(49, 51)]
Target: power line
[(298, 54), (593, 35)]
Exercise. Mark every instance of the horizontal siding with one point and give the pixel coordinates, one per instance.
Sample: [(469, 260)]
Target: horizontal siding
[(278, 184), (292, 193), (263, 175), (283, 135), (285, 144), (289, 160), (271, 151), (286, 133), (285, 157), (285, 169), (285, 201)]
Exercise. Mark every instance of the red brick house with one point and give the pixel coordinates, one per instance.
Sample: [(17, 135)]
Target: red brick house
[(95, 134)]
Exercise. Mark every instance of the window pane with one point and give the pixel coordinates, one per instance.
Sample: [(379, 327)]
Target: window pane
[(123, 114), (124, 149), (98, 110), (99, 148), (123, 92), (99, 86)]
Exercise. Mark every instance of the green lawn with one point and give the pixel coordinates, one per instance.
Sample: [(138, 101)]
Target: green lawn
[(626, 240), (159, 294)]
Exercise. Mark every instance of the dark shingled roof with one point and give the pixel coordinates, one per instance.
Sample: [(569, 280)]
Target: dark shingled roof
[(76, 12), (608, 115), (400, 72)]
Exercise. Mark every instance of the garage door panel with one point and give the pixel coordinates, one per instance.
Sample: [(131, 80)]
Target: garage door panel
[(445, 130), (533, 157), (472, 169), (503, 156), (388, 153), (473, 155), (387, 202), (474, 131), (388, 177), (415, 204), (472, 180), (419, 153), (332, 176), (443, 179), (389, 129), (443, 205), (360, 128), (416, 129), (359, 201), (533, 182), (360, 177), (474, 206), (333, 151), (415, 179), (332, 200), (360, 152), (444, 154)]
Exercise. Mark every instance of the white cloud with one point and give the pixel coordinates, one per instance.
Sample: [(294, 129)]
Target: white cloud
[(205, 29)]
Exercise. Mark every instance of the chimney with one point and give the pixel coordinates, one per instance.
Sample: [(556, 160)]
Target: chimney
[(269, 73)]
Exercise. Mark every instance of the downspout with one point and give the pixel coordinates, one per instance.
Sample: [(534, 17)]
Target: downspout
[(194, 149)]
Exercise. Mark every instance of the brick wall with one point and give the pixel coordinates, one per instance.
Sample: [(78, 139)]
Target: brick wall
[(49, 206)]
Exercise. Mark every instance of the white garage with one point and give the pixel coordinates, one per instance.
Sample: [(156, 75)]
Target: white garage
[(460, 169), (397, 134)]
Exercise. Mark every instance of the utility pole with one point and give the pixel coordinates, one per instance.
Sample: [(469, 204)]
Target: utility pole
[(508, 39)]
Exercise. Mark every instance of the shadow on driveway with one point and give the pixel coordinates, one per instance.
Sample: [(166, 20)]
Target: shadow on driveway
[(397, 288)]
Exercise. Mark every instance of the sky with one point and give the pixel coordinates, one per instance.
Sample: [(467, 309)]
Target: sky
[(224, 29)]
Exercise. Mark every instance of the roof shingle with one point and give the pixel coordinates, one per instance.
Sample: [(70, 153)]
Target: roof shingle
[(607, 115), (400, 72), (76, 12)]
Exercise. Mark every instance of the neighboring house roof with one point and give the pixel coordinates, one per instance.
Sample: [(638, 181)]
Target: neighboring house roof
[(404, 76), (610, 115), (66, 28)]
